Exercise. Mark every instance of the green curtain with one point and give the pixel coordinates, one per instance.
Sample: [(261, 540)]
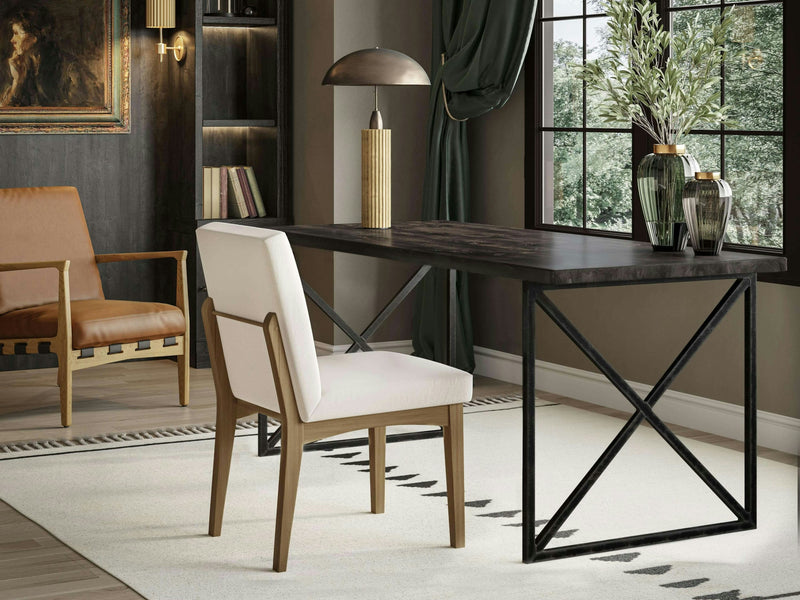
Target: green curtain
[(484, 44)]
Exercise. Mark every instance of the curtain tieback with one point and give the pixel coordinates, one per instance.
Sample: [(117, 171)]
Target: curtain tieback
[(444, 97)]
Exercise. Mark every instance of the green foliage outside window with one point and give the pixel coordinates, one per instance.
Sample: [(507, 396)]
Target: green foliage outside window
[(753, 163)]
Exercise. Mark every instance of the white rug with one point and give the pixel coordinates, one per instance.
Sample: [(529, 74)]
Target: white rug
[(141, 514)]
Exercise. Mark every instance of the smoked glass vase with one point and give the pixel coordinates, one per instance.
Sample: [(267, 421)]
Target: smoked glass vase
[(707, 206), (661, 178)]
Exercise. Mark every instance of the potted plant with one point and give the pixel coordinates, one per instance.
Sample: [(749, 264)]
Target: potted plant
[(667, 85)]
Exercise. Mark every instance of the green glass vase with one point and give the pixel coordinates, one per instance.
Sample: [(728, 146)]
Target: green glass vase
[(707, 206), (661, 178)]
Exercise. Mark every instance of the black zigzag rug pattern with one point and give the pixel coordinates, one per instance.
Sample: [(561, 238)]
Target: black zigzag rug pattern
[(508, 518)]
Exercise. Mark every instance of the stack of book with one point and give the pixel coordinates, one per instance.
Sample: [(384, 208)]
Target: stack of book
[(231, 192)]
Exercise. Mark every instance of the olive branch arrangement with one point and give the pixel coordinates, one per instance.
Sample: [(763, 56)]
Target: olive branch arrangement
[(666, 84)]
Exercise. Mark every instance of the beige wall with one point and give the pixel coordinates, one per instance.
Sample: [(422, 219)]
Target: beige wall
[(639, 329), (328, 148), (497, 185), (313, 143)]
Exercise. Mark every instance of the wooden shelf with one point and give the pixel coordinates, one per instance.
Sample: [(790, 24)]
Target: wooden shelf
[(238, 21), (252, 221), (239, 123)]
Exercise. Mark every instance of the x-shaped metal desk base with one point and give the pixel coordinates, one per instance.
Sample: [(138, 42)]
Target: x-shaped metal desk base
[(534, 547)]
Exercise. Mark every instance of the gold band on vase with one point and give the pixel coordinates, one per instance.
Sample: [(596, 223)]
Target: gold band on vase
[(707, 176), (669, 149)]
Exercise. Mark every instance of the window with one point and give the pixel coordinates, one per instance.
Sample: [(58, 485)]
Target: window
[(586, 163), (581, 170), (749, 152)]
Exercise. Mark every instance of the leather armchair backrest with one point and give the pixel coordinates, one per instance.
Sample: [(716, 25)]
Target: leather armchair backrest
[(251, 272), (40, 224)]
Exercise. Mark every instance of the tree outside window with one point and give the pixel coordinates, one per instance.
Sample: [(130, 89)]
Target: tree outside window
[(585, 177)]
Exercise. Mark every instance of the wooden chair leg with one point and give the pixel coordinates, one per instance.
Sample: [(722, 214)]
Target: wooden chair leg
[(291, 456), (183, 379), (377, 468), (454, 466), (65, 390), (223, 449)]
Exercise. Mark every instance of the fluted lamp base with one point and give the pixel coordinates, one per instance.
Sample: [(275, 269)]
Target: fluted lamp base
[(376, 178)]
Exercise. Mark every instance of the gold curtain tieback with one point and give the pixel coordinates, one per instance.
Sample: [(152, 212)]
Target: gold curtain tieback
[(444, 97)]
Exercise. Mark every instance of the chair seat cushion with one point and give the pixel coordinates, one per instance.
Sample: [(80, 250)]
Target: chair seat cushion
[(97, 323), (366, 383)]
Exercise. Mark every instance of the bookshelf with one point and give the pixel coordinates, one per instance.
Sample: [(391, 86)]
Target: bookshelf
[(242, 100)]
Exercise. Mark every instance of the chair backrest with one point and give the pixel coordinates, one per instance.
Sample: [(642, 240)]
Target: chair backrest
[(251, 272), (42, 224)]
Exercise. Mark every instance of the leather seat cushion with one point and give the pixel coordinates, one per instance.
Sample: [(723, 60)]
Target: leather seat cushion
[(366, 383), (97, 323)]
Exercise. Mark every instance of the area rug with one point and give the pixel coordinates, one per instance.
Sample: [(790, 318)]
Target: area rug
[(141, 514)]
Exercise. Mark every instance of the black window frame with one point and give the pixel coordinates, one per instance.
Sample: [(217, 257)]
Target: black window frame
[(642, 144)]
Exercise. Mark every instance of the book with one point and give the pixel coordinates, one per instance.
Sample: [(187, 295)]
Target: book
[(223, 192), (215, 192), (256, 192), (236, 204), (248, 196), (206, 193)]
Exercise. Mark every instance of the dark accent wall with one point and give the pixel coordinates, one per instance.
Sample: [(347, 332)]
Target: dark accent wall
[(131, 183)]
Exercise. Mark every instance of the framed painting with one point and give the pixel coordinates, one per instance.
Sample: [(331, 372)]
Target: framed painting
[(65, 66)]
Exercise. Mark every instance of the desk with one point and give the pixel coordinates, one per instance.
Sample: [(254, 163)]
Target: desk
[(545, 260)]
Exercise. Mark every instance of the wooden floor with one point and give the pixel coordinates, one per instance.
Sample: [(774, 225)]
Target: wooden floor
[(126, 397)]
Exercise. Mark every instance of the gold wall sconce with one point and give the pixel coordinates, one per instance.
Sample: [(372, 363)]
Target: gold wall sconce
[(374, 67), (160, 15)]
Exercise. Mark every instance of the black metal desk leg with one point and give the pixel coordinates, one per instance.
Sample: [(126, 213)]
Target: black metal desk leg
[(452, 315), (750, 416), (535, 549), (529, 293)]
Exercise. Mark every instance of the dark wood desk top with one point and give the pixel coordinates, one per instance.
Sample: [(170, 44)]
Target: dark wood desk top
[(545, 257)]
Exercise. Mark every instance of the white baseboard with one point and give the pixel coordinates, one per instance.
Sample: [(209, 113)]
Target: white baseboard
[(712, 416), (498, 365)]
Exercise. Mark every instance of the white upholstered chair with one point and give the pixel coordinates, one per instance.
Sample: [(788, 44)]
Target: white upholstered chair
[(263, 360)]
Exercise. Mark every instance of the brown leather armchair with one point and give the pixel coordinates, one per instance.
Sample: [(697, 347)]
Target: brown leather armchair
[(51, 297)]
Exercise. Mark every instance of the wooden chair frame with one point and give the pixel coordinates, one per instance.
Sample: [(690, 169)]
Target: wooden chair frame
[(295, 433), (70, 360)]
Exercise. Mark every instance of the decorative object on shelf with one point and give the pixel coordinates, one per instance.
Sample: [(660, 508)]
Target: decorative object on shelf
[(661, 177), (160, 15), (249, 11), (223, 8), (667, 85), (376, 66), (80, 83), (707, 204)]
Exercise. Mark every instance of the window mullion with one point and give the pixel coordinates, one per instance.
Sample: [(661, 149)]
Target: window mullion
[(584, 123)]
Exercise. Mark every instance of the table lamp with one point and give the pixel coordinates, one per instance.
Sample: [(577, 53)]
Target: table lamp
[(376, 66)]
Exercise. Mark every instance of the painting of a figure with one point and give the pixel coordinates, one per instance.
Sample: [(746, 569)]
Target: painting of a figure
[(64, 66)]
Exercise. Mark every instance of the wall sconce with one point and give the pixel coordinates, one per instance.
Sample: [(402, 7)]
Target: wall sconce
[(374, 67), (160, 14)]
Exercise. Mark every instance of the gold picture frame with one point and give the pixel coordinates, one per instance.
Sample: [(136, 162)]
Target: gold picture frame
[(65, 66)]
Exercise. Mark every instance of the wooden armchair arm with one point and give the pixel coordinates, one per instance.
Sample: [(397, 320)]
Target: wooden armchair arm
[(61, 265), (182, 294), (179, 255)]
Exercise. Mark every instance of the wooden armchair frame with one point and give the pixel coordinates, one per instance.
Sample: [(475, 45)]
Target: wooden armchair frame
[(295, 433), (70, 360)]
